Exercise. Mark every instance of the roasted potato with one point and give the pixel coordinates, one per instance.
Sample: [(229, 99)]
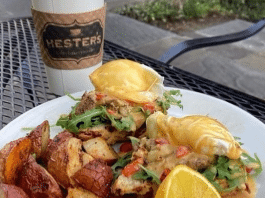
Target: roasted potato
[(12, 158), (11, 191), (96, 177), (54, 143), (86, 158), (37, 182), (126, 185), (99, 149), (66, 161), (40, 138), (80, 193)]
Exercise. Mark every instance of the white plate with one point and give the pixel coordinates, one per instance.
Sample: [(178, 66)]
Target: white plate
[(239, 122)]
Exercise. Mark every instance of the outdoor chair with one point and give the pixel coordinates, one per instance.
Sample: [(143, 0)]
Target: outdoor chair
[(189, 45)]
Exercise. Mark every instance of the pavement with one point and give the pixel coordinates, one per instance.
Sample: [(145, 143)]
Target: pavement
[(239, 65)]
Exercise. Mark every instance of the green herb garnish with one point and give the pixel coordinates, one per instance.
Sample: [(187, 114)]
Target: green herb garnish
[(72, 97), (135, 141), (238, 138), (247, 160), (121, 163), (125, 123), (228, 169), (90, 118), (146, 174), (169, 100), (93, 118)]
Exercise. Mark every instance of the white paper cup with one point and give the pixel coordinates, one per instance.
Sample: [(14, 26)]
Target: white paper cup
[(71, 80)]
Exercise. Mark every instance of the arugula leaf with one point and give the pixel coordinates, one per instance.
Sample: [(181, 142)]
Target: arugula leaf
[(90, 118), (146, 174), (230, 170), (63, 121), (238, 138), (72, 97), (168, 100), (125, 123), (247, 160), (121, 163), (135, 141)]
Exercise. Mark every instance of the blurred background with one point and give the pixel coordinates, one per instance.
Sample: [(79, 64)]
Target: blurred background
[(12, 9)]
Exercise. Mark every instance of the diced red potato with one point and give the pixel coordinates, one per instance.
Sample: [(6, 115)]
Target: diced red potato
[(99, 149), (40, 138), (86, 158), (96, 177), (12, 158), (54, 143), (66, 161), (37, 182), (11, 191)]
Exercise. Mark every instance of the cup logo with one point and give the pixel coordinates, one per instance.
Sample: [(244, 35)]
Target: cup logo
[(73, 42), (70, 41)]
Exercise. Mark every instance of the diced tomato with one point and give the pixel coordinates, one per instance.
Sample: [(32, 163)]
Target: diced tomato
[(132, 168), (110, 111), (99, 96), (164, 174), (126, 147), (182, 151), (161, 141), (248, 170), (149, 106), (131, 103)]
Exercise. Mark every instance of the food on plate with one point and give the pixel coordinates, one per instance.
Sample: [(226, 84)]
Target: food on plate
[(40, 138), (80, 193), (118, 141), (128, 80), (185, 182), (12, 157), (99, 149), (204, 134), (101, 115), (152, 159), (230, 171), (65, 161), (53, 145), (37, 182), (11, 191), (96, 177), (126, 93)]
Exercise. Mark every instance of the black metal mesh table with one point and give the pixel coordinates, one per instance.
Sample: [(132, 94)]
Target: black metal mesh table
[(24, 84)]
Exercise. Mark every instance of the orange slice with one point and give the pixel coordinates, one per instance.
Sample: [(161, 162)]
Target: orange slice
[(184, 182)]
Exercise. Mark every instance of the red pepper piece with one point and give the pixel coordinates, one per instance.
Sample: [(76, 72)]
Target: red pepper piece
[(164, 174), (126, 147), (132, 168), (182, 151), (149, 106), (99, 96), (161, 141), (110, 111)]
